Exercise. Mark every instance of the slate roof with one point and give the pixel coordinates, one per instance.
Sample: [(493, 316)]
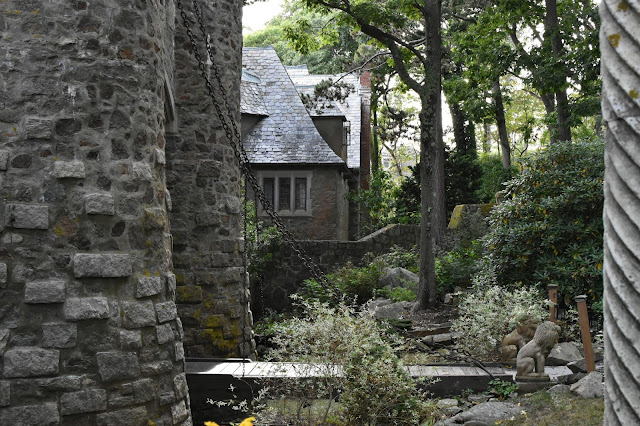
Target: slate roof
[(287, 135), (305, 83), (251, 95)]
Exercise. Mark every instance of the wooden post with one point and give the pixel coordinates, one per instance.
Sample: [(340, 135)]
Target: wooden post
[(585, 332), (553, 298)]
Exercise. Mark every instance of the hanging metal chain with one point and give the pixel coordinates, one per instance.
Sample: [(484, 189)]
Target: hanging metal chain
[(238, 150)]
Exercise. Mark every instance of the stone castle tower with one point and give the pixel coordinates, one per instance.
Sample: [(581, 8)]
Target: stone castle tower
[(119, 195)]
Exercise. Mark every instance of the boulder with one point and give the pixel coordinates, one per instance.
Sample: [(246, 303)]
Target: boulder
[(590, 386), (374, 304), (398, 277), (393, 311), (487, 413), (449, 406), (563, 353), (579, 366), (569, 379), (559, 389)]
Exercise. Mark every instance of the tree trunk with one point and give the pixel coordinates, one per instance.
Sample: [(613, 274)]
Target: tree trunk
[(502, 125), (549, 102), (486, 142), (464, 132), (552, 33), (432, 205), (375, 141)]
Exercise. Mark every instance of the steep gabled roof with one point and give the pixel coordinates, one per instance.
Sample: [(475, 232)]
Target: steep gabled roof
[(251, 95), (287, 135), (305, 83)]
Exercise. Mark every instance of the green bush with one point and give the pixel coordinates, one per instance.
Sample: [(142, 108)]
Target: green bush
[(352, 355), (357, 284), (492, 177), (490, 312), (549, 229), (456, 268)]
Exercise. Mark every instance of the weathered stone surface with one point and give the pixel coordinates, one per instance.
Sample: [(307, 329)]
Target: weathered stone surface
[(38, 128), (449, 406), (117, 365), (102, 265), (99, 204), (142, 171), (69, 169), (83, 308), (148, 286), (166, 311), (4, 159), (392, 310), (138, 314), (179, 412), (178, 353), (3, 275), (27, 216), (590, 386), (144, 390), (180, 385), (44, 292), (398, 277), (155, 368), (160, 156), (31, 362), (85, 401), (130, 339), (4, 339), (41, 414), (130, 417), (171, 283), (487, 413), (65, 383), (563, 353), (59, 335), (5, 393), (579, 366), (164, 333), (559, 389)]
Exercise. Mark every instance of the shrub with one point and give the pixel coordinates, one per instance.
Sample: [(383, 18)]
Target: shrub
[(490, 312), (549, 229), (457, 267), (492, 177), (353, 356), (357, 284)]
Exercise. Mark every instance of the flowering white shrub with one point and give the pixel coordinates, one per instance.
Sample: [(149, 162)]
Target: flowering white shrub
[(489, 312)]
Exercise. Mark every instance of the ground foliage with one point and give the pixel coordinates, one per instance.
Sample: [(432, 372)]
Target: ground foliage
[(549, 229)]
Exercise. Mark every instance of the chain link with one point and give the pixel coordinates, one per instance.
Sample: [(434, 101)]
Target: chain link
[(238, 150)]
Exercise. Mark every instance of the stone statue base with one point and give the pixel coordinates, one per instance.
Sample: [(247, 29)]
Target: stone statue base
[(533, 378)]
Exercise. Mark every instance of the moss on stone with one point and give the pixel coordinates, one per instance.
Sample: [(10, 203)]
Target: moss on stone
[(189, 294)]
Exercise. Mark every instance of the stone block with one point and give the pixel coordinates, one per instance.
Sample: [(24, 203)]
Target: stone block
[(171, 283), (160, 156), (144, 390), (154, 218), (118, 365), (4, 339), (69, 169), (130, 339), (60, 335), (44, 292), (142, 171), (11, 238), (41, 414), (130, 417), (5, 393), (156, 367), (164, 334), (84, 308), (178, 354), (99, 204), (180, 385), (65, 383), (29, 361), (165, 398), (4, 159), (148, 286), (101, 265), (179, 412), (3, 275), (138, 314), (27, 216), (84, 401), (189, 294), (166, 311), (38, 128)]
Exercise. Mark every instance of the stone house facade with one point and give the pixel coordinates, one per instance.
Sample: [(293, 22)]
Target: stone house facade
[(119, 192), (302, 176)]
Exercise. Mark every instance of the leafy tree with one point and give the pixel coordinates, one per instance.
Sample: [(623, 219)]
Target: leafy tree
[(549, 229)]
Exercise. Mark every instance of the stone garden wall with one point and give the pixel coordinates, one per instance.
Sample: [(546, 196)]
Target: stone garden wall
[(89, 331), (284, 279)]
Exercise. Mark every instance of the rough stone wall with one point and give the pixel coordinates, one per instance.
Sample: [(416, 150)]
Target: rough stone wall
[(284, 279), (88, 327), (204, 181)]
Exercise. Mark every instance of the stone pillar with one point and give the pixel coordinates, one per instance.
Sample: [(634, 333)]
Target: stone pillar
[(89, 332), (204, 181), (620, 50)]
